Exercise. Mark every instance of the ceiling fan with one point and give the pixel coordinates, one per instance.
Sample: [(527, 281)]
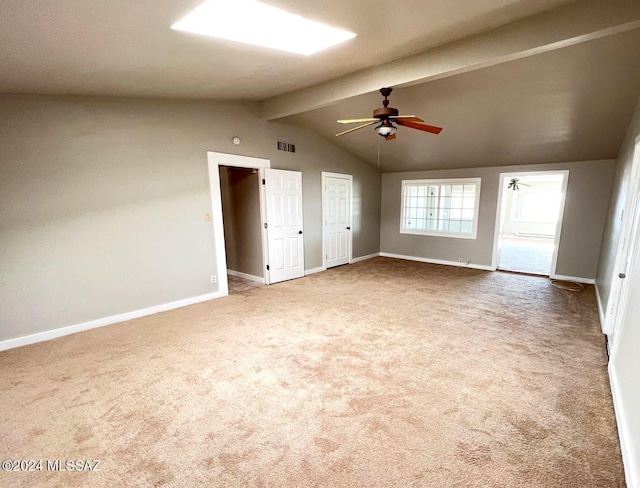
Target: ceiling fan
[(386, 116), (515, 183)]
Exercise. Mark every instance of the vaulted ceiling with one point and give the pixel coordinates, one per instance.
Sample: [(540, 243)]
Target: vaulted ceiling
[(511, 81), (572, 104)]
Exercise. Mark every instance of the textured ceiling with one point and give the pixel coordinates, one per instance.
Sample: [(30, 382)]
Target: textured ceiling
[(126, 47)]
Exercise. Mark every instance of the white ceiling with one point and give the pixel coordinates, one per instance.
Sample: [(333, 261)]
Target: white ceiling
[(558, 82)]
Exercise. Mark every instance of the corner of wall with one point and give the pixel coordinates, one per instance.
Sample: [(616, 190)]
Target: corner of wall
[(600, 304)]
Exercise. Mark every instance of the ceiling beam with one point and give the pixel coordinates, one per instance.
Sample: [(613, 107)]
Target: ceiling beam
[(565, 26)]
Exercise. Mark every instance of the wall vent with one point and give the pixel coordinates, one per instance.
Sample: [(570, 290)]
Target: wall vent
[(286, 146)]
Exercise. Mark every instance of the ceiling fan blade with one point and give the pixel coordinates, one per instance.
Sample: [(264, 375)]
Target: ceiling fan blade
[(390, 138), (356, 128), (424, 127), (354, 121), (412, 118)]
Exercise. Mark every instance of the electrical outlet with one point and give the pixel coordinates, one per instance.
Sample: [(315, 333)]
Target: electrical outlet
[(213, 279), (207, 217), (460, 260)]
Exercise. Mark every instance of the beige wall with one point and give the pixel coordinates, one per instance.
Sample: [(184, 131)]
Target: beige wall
[(102, 202), (241, 218), (314, 155), (585, 212)]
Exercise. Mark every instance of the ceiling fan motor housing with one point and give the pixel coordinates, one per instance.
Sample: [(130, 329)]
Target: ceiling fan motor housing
[(385, 112)]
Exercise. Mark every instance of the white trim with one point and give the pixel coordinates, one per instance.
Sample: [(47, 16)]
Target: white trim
[(214, 161), (558, 236), (617, 292), (264, 231), (437, 261), (439, 182), (586, 281), (363, 258), (246, 276), (501, 200), (314, 270), (630, 470), (599, 303), (495, 256), (114, 319), (349, 178), (237, 160)]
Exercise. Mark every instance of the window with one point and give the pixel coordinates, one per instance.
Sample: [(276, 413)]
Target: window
[(540, 207), (447, 208)]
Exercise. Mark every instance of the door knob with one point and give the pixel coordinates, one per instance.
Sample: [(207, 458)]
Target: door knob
[(622, 275), (348, 228), (299, 232)]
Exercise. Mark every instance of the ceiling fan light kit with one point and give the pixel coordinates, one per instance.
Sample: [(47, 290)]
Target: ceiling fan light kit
[(386, 128), (386, 116)]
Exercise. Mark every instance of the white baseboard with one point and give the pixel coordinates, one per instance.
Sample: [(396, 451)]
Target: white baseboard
[(245, 276), (314, 270), (586, 281), (353, 260), (438, 261), (363, 258), (630, 470), (93, 324)]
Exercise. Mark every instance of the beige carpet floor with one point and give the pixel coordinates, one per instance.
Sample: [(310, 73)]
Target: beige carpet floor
[(384, 373)]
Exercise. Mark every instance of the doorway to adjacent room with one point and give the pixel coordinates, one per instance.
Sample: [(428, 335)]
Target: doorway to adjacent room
[(281, 240), (530, 210)]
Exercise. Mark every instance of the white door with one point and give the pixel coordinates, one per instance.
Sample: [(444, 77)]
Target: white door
[(283, 194), (336, 213), (623, 367), (630, 216)]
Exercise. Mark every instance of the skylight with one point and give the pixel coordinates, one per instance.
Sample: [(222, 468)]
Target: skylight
[(253, 22)]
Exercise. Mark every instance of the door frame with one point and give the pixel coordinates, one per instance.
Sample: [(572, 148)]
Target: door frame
[(628, 231), (502, 199), (325, 175), (214, 161)]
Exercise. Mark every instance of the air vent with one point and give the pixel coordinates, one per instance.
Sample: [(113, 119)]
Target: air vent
[(286, 146)]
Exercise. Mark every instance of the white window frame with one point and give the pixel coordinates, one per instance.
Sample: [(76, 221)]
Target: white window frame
[(439, 182)]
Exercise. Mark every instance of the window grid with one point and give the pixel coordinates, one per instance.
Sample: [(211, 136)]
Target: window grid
[(440, 207)]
